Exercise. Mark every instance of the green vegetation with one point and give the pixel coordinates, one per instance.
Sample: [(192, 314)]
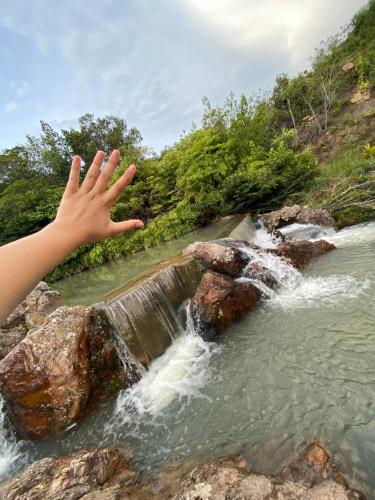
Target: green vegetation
[(250, 154)]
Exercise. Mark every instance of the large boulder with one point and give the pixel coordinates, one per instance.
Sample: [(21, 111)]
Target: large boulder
[(295, 213), (32, 312), (301, 252), (219, 301), (79, 475), (216, 257), (56, 374)]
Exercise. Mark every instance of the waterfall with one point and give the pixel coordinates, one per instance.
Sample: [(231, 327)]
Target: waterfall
[(12, 452), (245, 230), (146, 313)]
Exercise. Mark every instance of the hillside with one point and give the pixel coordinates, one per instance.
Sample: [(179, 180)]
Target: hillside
[(306, 142)]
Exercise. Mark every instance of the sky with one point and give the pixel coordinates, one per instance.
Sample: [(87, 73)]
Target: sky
[(149, 61)]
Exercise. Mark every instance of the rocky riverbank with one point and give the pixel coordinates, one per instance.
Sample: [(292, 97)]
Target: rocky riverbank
[(106, 474)]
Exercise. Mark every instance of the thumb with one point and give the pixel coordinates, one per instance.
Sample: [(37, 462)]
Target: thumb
[(127, 225)]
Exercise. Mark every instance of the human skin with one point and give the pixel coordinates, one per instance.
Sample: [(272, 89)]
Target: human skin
[(83, 217)]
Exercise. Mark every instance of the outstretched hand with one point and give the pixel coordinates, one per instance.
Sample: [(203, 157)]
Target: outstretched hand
[(83, 217), (84, 212)]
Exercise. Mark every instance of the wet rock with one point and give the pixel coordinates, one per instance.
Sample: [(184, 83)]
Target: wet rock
[(294, 213), (258, 272), (219, 301), (301, 252), (216, 257), (32, 312), (57, 373), (95, 474)]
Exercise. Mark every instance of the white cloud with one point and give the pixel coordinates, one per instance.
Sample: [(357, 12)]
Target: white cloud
[(259, 25), (22, 89), (11, 106)]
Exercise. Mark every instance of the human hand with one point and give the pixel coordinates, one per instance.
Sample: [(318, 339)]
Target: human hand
[(84, 212)]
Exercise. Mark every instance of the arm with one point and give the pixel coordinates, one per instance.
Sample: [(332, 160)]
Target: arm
[(83, 217)]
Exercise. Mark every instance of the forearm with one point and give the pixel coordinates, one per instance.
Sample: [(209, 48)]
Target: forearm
[(25, 262)]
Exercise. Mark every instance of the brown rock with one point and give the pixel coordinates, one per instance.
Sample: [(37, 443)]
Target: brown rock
[(347, 66), (32, 312), (219, 301), (215, 257), (105, 475), (280, 218), (315, 216), (289, 215), (258, 272), (85, 473), (301, 252), (55, 375)]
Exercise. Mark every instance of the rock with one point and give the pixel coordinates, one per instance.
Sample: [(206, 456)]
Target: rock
[(222, 479), (57, 373), (359, 97), (97, 472), (348, 66), (301, 252), (106, 475), (215, 257), (219, 301), (279, 218), (32, 312), (41, 302), (289, 215), (258, 272), (315, 216)]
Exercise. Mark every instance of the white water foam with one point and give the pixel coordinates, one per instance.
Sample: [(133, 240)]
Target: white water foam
[(319, 291), (12, 455), (296, 290), (306, 231), (263, 239), (353, 235), (179, 373)]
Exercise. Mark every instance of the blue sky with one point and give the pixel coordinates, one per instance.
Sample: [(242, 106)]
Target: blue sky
[(148, 61)]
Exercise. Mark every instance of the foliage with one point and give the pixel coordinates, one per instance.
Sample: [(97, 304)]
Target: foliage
[(246, 155), (369, 150)]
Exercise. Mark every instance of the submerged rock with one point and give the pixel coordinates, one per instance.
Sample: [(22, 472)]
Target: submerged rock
[(295, 213), (106, 475), (219, 301), (301, 252), (219, 258), (56, 374), (32, 312)]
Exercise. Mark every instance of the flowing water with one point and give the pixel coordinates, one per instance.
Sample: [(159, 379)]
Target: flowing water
[(299, 367)]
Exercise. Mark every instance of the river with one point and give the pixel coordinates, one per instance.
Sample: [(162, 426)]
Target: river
[(300, 367)]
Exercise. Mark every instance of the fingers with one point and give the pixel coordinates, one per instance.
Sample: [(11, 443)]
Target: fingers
[(73, 181), (107, 172), (123, 227), (93, 172), (115, 191)]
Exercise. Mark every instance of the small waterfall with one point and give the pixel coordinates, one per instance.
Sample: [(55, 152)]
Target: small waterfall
[(245, 230), (146, 313), (12, 453), (180, 372)]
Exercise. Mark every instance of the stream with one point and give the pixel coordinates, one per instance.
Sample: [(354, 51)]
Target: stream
[(299, 367)]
